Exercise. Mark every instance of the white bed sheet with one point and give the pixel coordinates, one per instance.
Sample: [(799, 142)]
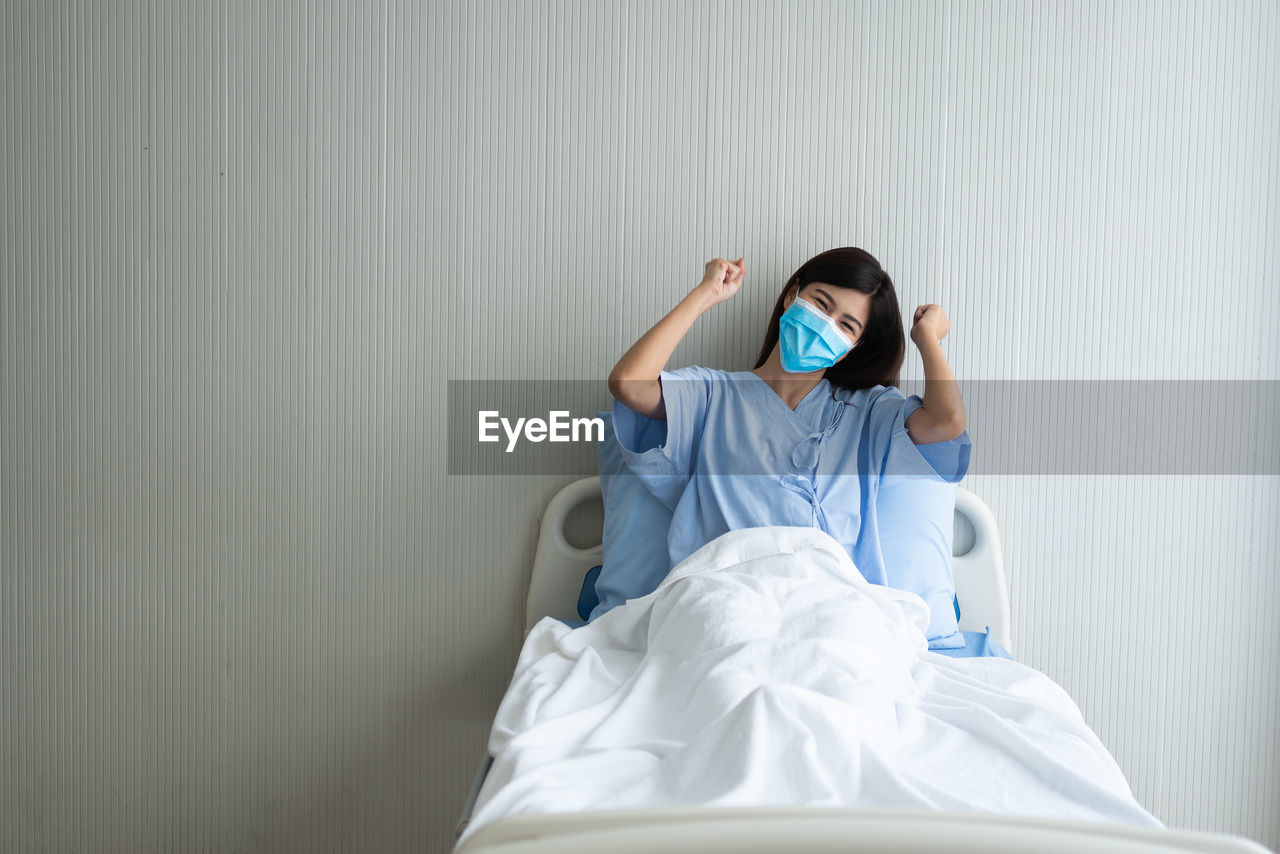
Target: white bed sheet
[(765, 671)]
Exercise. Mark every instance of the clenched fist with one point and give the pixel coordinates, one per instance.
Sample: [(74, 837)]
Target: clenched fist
[(928, 322), (722, 279)]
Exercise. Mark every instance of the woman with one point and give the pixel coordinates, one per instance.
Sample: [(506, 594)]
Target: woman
[(808, 436)]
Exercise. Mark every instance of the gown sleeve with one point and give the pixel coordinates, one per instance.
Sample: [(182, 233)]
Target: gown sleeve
[(662, 453), (940, 461)]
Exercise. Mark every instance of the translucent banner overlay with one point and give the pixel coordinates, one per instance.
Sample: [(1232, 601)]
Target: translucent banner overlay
[(1017, 427)]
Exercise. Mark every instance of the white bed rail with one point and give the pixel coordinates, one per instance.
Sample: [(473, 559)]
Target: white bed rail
[(981, 588), (825, 830), (558, 565)]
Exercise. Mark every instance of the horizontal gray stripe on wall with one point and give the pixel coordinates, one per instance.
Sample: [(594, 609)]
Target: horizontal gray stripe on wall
[(1024, 427)]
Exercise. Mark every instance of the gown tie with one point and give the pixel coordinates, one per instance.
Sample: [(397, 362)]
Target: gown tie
[(804, 459)]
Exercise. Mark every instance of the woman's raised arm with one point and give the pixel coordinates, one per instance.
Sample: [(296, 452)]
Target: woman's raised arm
[(634, 380), (941, 417)]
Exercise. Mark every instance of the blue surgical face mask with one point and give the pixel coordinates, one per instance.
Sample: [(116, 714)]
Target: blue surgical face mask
[(809, 339)]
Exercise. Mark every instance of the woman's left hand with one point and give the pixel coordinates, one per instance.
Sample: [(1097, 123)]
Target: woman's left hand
[(929, 320)]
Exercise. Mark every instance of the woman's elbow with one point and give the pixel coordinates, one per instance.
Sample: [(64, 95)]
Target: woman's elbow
[(624, 380), (639, 395), (618, 385), (625, 389)]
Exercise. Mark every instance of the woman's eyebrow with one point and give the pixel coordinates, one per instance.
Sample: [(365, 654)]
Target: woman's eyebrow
[(846, 315)]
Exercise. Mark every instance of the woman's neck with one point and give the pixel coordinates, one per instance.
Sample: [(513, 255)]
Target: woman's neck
[(792, 388)]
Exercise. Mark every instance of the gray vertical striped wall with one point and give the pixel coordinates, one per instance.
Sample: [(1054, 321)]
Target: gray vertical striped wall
[(245, 245)]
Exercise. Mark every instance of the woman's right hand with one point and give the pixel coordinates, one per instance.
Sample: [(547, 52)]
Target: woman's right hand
[(636, 381), (722, 279)]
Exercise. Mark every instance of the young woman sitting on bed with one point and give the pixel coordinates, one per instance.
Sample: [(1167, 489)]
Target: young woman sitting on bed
[(808, 435), (704, 693)]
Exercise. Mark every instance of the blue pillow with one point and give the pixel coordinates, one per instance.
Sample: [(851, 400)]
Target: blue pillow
[(915, 516), (587, 596), (634, 540)]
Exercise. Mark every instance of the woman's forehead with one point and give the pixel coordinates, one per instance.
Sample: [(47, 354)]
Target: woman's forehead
[(850, 299)]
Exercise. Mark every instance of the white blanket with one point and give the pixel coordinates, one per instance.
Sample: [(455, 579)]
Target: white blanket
[(765, 671)]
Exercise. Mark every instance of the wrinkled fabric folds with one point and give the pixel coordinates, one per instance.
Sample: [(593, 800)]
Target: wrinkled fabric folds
[(764, 670)]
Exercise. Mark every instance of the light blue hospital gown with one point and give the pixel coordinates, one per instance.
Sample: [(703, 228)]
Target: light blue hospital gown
[(732, 455)]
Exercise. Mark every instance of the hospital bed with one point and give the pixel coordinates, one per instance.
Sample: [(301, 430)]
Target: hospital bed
[(982, 601)]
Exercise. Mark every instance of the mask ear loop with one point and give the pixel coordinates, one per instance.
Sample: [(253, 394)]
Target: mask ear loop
[(798, 287)]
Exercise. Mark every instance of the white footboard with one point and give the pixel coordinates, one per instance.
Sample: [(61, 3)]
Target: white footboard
[(809, 830)]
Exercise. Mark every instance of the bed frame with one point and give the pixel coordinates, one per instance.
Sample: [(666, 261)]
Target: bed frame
[(983, 601), (981, 590), (828, 830)]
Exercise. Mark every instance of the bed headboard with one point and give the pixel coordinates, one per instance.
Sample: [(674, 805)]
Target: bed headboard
[(978, 563)]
